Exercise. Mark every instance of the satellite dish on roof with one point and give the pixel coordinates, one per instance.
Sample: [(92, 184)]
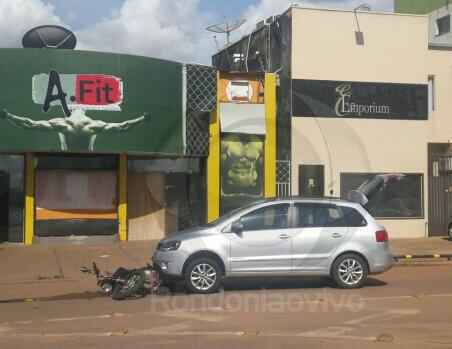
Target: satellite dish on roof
[(49, 36), (226, 27)]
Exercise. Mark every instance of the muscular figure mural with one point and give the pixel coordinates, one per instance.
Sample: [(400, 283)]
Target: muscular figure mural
[(76, 132)]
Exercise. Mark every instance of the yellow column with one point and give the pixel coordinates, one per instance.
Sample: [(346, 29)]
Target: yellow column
[(122, 197), (29, 197), (213, 165), (270, 138)]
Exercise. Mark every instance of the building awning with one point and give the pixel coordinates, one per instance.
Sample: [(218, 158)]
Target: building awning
[(187, 165)]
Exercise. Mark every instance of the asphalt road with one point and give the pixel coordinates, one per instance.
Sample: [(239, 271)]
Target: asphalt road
[(408, 307)]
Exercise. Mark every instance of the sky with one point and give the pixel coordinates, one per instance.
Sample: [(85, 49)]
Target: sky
[(168, 29)]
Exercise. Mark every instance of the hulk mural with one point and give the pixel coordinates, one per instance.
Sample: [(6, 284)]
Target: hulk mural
[(241, 170)]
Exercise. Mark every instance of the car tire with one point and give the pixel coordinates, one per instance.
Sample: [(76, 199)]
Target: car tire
[(450, 232), (203, 275), (349, 271)]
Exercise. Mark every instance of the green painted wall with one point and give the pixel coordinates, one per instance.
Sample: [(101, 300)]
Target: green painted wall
[(420, 7), (149, 85)]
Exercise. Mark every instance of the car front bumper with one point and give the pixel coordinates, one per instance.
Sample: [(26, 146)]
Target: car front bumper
[(170, 263)]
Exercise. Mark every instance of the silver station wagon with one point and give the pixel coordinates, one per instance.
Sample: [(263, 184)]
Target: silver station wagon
[(281, 237)]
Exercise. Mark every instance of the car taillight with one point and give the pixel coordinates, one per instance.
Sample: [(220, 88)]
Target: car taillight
[(381, 236)]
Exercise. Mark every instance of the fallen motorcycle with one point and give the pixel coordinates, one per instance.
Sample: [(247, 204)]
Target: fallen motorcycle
[(126, 283)]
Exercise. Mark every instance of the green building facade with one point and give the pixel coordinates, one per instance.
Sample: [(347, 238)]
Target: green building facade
[(419, 7)]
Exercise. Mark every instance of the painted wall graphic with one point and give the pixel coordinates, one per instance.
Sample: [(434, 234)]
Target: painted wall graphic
[(242, 176), (64, 100), (77, 91)]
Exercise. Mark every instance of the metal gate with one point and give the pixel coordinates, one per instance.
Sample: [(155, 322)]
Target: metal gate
[(440, 195)]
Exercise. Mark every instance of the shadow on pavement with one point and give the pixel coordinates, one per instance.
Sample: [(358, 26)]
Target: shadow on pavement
[(230, 285), (274, 283)]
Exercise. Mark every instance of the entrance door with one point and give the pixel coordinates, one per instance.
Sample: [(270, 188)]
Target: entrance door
[(440, 195), (311, 180), (4, 206), (11, 198), (264, 244)]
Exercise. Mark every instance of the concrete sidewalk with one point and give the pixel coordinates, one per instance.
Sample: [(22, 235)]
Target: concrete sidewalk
[(45, 262), (434, 245), (20, 263)]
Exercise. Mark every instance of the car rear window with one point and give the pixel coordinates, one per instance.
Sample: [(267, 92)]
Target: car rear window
[(314, 215), (352, 217)]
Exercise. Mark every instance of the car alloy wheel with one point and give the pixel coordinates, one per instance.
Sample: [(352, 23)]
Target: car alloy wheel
[(203, 277), (350, 272), (450, 232)]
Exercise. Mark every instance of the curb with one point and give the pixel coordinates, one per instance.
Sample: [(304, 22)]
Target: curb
[(423, 256)]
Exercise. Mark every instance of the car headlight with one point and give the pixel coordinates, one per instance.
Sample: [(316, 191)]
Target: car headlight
[(168, 246)]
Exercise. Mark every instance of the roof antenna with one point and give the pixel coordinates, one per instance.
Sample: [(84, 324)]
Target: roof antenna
[(225, 28), (49, 36)]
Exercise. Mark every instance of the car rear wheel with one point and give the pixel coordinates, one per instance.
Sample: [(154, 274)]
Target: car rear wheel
[(203, 275), (349, 271)]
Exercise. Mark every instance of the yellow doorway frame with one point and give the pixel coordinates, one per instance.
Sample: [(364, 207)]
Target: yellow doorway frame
[(213, 161)]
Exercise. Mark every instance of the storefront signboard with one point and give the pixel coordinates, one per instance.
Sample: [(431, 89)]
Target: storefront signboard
[(370, 100), (80, 101)]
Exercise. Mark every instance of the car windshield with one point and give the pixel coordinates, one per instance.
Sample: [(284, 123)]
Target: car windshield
[(228, 215)]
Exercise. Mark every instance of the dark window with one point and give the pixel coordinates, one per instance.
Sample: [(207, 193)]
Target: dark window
[(443, 25), (396, 198), (265, 218), (352, 217), (312, 215)]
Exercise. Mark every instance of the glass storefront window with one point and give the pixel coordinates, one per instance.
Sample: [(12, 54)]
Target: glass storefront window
[(11, 198), (396, 199)]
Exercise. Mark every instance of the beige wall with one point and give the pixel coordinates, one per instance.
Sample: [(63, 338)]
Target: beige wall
[(395, 50)]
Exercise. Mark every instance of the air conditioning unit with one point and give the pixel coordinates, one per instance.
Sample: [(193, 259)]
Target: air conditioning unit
[(271, 19), (260, 24)]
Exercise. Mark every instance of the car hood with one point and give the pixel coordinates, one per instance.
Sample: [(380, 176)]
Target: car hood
[(187, 234)]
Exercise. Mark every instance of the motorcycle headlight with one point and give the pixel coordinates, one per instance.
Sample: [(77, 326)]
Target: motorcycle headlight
[(168, 246), (107, 288)]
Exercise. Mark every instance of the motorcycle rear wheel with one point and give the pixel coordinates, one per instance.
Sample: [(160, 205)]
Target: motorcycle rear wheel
[(134, 283)]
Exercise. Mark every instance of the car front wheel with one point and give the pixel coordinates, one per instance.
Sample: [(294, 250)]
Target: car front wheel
[(349, 271), (203, 275)]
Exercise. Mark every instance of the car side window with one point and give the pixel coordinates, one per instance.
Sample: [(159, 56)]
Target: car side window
[(352, 217), (313, 215), (266, 218)]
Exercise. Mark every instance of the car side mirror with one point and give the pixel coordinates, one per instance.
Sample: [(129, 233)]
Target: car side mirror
[(237, 227)]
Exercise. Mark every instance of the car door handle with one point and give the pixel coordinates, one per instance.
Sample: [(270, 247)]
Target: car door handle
[(284, 236), (336, 235)]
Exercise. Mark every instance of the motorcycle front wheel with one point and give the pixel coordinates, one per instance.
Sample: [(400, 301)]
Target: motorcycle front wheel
[(133, 284)]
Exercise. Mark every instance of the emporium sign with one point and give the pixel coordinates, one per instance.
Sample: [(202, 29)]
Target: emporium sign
[(345, 99)]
